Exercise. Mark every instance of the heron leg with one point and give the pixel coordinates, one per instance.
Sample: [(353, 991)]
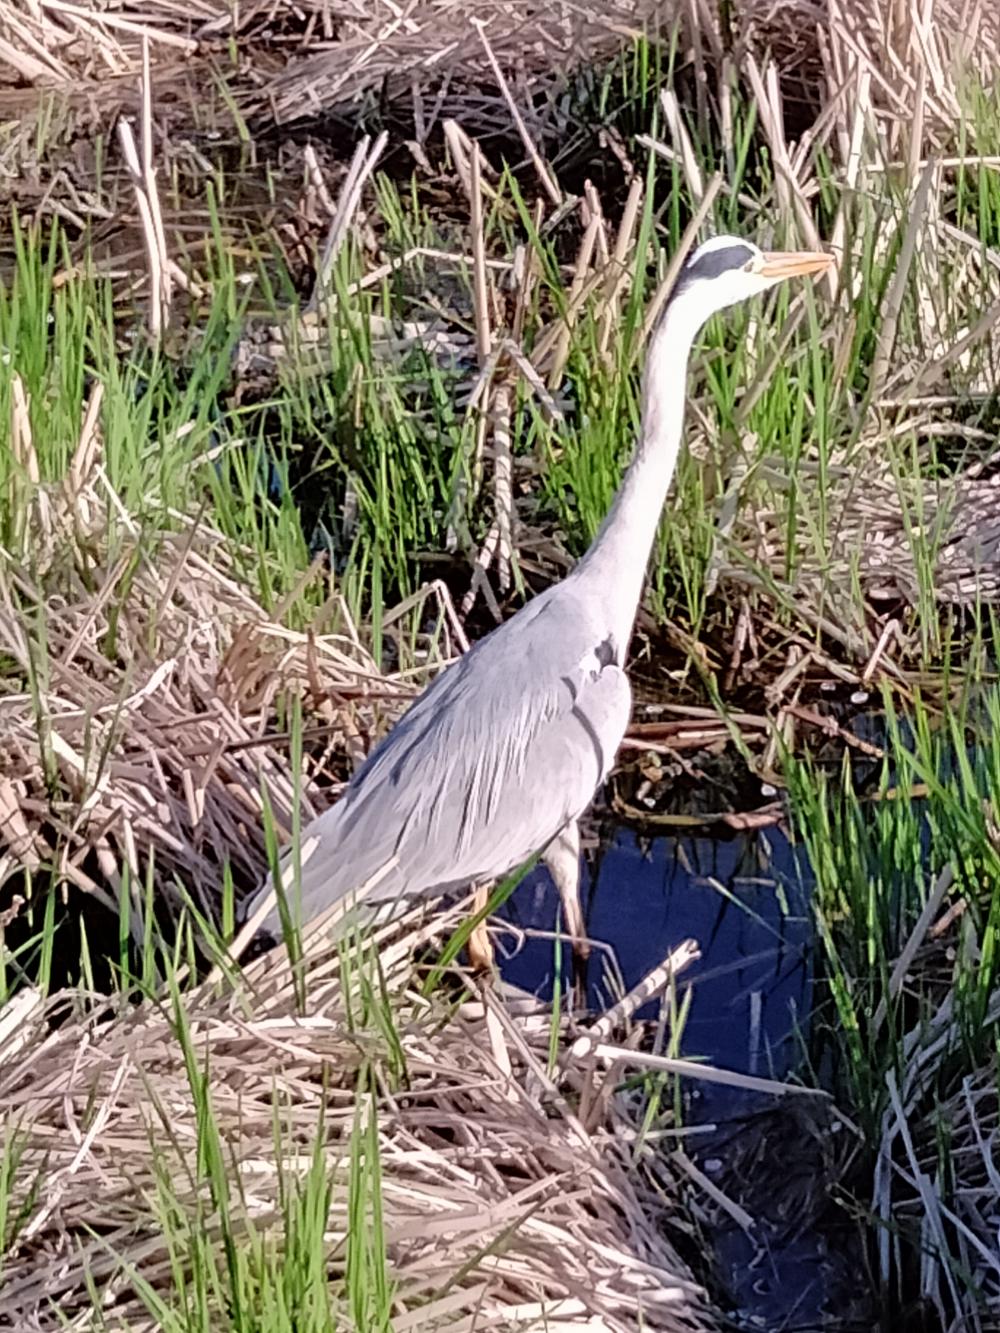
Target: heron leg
[(562, 858), (480, 946)]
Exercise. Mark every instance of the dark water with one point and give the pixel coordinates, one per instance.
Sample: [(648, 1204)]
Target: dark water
[(745, 900)]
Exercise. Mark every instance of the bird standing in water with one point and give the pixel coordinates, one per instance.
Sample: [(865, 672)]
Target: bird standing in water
[(500, 756)]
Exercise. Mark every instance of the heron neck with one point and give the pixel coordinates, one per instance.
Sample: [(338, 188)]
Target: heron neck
[(615, 565)]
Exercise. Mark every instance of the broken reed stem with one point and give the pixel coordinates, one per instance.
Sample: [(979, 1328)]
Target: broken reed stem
[(657, 981), (503, 482), (158, 289), (467, 485), (480, 287), (692, 1069), (584, 258), (682, 144), (618, 276), (548, 184), (363, 163), (143, 176)]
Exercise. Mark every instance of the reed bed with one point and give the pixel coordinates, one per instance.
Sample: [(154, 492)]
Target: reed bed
[(180, 694), (437, 1138), (144, 684), (311, 61)]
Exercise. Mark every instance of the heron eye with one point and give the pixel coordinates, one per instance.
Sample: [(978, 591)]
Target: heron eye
[(749, 266)]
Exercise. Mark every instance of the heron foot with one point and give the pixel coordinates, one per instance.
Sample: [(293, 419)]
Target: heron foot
[(480, 947), (580, 967)]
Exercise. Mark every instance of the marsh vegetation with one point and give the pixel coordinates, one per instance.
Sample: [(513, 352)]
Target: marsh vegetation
[(290, 419)]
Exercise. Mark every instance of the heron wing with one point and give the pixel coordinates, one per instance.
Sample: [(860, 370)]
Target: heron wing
[(519, 782), (497, 755)]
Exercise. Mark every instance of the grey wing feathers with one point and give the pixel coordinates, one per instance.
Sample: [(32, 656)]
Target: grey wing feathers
[(482, 771)]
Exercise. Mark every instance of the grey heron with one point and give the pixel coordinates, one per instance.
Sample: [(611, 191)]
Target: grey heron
[(499, 757)]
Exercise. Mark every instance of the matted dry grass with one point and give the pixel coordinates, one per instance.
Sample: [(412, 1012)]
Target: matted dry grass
[(501, 1208), (310, 59)]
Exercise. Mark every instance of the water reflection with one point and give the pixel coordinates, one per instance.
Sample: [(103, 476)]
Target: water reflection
[(744, 899)]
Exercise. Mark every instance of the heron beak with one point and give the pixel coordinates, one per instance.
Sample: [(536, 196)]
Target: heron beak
[(794, 263)]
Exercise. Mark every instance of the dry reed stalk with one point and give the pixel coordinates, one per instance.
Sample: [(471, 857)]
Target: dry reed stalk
[(478, 582), (503, 477), (480, 288), (682, 144), (24, 475), (480, 948), (491, 398), (712, 1191), (792, 201), (542, 171), (853, 144), (524, 275), (624, 1057), (617, 282), (363, 163), (678, 960), (147, 199), (593, 226)]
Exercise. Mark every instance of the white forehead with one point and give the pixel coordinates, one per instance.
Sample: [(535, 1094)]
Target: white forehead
[(722, 243)]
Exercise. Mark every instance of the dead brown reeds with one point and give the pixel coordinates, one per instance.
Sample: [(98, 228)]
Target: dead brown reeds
[(497, 1211), (157, 719), (501, 1206), (310, 60)]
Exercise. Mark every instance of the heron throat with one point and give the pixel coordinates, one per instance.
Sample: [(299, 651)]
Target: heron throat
[(614, 568)]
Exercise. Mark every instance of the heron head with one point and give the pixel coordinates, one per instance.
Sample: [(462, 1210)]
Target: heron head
[(727, 270)]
